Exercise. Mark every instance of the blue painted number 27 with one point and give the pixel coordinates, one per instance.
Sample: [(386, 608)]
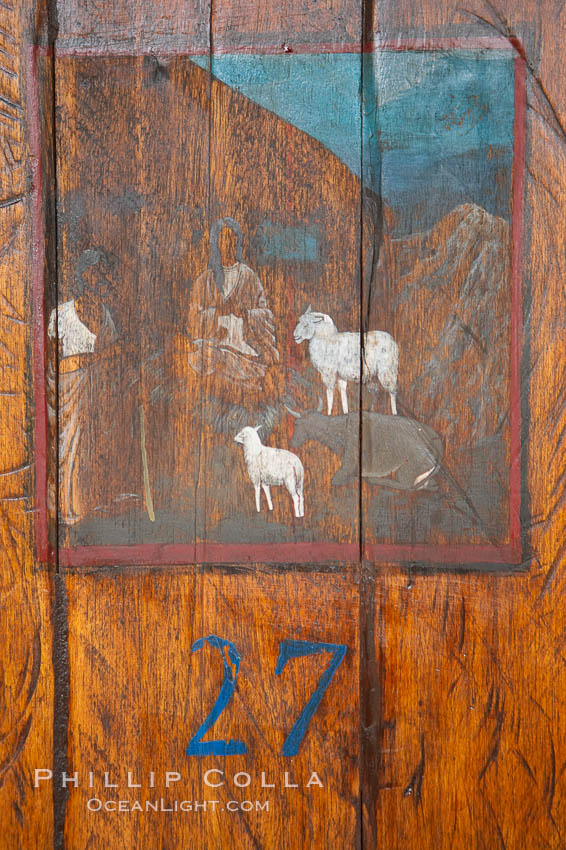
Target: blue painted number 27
[(288, 650)]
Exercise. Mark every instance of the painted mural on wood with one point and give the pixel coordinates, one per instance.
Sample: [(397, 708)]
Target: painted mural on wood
[(262, 281)]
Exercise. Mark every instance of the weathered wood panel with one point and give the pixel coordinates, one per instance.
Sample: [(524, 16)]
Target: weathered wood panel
[(460, 676), (443, 167), (26, 692), (139, 695), (471, 741), (148, 469), (256, 164), (172, 24)]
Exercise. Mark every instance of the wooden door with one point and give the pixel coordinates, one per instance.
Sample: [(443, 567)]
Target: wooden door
[(282, 489)]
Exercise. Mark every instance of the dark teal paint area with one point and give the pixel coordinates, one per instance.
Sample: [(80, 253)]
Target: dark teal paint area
[(438, 132), (437, 125), (292, 244)]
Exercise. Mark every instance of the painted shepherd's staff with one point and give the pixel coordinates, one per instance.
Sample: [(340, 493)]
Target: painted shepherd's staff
[(154, 387), (146, 481), (143, 400)]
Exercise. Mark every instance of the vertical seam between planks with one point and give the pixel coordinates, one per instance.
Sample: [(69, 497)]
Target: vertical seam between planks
[(361, 593), (361, 286), (59, 616), (52, 31), (370, 685), (208, 216)]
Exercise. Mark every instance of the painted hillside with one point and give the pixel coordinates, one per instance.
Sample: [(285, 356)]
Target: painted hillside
[(454, 366), (455, 369)]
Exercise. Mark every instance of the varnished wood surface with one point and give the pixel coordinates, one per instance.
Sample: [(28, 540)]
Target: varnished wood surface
[(163, 692), (471, 683), (26, 691), (460, 676)]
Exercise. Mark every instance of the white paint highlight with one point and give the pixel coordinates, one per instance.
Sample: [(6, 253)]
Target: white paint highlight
[(64, 324), (268, 467), (336, 356)]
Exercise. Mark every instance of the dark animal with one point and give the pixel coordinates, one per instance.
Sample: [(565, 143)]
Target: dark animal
[(408, 451)]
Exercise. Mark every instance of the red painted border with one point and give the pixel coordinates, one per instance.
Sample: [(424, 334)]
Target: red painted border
[(518, 193), (458, 554), (299, 553), (171, 554), (152, 554)]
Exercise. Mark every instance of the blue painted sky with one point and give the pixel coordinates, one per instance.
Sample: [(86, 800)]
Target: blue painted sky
[(318, 93), (432, 119)]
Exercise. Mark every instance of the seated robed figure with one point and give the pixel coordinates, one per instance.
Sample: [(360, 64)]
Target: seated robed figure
[(230, 324)]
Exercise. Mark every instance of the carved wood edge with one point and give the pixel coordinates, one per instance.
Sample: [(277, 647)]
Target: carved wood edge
[(26, 716)]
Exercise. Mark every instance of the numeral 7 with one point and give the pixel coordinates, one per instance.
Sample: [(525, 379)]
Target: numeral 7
[(298, 649)]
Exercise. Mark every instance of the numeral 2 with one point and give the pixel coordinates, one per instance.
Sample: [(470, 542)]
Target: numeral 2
[(230, 656), (288, 650)]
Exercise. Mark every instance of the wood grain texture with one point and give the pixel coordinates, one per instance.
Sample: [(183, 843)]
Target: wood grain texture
[(171, 24), (162, 615), (138, 696), (460, 676), (471, 741), (26, 691), (271, 176)]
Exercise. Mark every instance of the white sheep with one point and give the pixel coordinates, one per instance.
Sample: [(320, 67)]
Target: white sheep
[(269, 467), (337, 356)]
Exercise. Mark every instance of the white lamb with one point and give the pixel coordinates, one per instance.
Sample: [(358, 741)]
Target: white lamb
[(337, 356), (269, 467)]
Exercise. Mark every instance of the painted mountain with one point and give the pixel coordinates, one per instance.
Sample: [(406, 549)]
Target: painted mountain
[(449, 301), (455, 366)]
